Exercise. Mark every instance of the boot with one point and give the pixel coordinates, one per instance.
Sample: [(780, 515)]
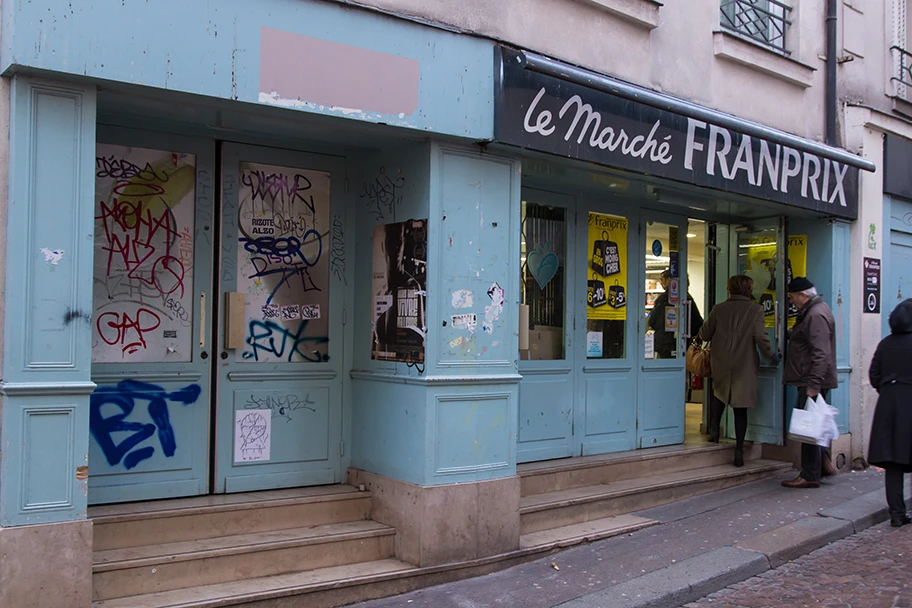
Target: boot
[(900, 520), (739, 457), (714, 436)]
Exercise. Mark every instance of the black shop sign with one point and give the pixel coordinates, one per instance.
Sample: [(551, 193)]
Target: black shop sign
[(539, 112), (871, 285)]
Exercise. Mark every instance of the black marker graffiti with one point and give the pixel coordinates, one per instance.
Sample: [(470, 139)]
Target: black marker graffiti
[(74, 315), (383, 193), (122, 169), (337, 250), (281, 406)]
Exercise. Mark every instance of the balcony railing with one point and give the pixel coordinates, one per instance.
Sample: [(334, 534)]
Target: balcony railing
[(761, 20), (902, 61)]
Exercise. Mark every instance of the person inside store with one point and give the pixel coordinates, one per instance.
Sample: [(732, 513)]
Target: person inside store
[(666, 342), (736, 330), (693, 327), (890, 446), (810, 366)]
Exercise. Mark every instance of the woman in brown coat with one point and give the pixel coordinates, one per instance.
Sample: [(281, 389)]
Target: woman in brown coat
[(735, 328)]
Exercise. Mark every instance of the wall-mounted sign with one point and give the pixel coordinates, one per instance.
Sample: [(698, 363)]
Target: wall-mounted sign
[(871, 285), (540, 112)]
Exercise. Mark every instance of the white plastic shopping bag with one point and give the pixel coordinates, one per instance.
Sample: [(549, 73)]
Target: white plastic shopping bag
[(830, 430), (815, 424)]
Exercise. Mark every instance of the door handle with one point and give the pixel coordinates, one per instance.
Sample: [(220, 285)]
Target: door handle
[(234, 319), (202, 320), (776, 322)]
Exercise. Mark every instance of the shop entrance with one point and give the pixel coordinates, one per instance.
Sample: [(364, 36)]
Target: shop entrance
[(217, 323), (597, 377), (606, 373), (760, 251)]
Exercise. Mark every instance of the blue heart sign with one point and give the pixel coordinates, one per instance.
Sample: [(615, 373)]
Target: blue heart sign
[(542, 264)]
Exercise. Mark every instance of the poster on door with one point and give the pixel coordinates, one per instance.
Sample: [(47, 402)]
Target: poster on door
[(797, 267), (399, 288), (142, 294), (761, 267), (283, 263), (606, 283)]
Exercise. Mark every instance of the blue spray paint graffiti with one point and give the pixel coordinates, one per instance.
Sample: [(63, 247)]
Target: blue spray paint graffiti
[(273, 339), (124, 395)]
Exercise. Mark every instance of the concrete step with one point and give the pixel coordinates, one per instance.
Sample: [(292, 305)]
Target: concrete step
[(581, 504), (167, 521), (131, 571), (320, 588), (566, 474), (589, 531)]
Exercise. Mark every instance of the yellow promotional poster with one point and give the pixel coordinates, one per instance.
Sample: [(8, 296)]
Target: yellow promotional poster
[(761, 267), (607, 268), (797, 259)]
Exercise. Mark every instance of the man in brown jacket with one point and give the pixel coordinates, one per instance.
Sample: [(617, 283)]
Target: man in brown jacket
[(810, 365)]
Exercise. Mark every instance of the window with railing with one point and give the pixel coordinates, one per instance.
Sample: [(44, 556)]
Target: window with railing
[(903, 62), (902, 58), (765, 21)]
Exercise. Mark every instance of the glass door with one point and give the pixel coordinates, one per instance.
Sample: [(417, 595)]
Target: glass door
[(757, 250), (546, 392), (279, 379), (606, 422), (662, 388), (149, 416)]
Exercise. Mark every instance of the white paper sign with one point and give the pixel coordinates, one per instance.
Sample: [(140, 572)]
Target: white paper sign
[(465, 321), (671, 318), (252, 435), (310, 311), (650, 346), (594, 344)]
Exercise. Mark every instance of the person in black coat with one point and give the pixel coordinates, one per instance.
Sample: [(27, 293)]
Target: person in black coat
[(890, 446)]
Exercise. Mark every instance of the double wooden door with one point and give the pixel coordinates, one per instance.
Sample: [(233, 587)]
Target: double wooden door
[(217, 322)]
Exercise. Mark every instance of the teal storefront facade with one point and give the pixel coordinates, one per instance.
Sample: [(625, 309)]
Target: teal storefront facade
[(288, 245)]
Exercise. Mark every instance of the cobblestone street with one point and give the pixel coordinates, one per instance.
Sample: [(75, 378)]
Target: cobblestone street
[(872, 569)]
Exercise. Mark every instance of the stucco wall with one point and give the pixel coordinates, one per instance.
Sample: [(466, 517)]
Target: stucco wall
[(866, 35), (680, 55)]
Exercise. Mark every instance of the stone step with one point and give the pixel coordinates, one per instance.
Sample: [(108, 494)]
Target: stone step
[(149, 569), (566, 474), (185, 519), (322, 588), (589, 531), (581, 504)]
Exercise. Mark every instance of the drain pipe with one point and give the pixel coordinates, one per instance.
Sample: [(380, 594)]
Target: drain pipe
[(831, 72)]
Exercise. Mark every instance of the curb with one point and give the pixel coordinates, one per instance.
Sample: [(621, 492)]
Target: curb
[(702, 575)]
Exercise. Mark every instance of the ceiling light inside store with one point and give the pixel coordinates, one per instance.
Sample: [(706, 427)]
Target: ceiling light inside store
[(691, 235)]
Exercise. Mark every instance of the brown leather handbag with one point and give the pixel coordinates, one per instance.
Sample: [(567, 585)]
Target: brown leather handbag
[(696, 360)]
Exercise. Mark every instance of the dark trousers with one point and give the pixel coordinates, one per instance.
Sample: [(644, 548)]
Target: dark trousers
[(717, 408), (811, 454), (894, 486)]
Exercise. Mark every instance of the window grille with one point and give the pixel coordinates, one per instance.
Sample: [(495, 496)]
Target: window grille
[(762, 20)]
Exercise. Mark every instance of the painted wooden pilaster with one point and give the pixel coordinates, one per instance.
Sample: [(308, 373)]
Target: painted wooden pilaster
[(840, 301), (48, 302)]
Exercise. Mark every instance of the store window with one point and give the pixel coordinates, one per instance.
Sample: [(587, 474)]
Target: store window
[(663, 297), (543, 263), (606, 287)]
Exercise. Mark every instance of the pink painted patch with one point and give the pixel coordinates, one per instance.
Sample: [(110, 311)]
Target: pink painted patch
[(300, 68)]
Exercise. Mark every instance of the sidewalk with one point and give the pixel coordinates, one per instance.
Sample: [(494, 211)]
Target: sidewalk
[(699, 546)]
